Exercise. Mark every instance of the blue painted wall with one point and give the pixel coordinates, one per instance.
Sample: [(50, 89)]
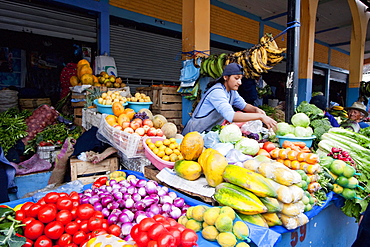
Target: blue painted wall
[(304, 90), (352, 95)]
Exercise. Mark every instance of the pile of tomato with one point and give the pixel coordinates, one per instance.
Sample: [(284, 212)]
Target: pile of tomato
[(59, 220), (161, 231)]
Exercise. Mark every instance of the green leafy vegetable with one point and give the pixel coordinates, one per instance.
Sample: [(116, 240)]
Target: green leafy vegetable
[(300, 120), (310, 110), (230, 133)]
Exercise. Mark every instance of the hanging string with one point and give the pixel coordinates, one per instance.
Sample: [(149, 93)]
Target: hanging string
[(295, 24), (192, 54)]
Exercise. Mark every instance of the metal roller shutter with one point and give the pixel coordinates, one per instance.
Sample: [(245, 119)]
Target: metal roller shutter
[(42, 20), (144, 55)]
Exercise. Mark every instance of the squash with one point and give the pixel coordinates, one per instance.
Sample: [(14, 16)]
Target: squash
[(192, 146), (117, 109), (169, 130), (189, 170), (159, 121)]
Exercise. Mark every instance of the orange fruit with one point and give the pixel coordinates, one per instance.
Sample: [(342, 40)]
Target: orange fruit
[(111, 120), (295, 165), (292, 155), (288, 163)]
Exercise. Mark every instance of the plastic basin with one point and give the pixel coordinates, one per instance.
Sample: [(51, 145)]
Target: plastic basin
[(307, 140), (156, 161), (107, 109), (137, 106)]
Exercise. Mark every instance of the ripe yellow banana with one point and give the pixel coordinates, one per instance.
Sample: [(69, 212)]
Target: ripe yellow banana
[(255, 65), (275, 61), (262, 58)]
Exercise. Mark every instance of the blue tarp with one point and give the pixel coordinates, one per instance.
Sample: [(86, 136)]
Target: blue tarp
[(261, 236)]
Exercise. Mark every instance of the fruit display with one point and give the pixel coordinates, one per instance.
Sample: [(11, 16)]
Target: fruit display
[(338, 111), (110, 97), (255, 61), (110, 81), (139, 97), (219, 224), (166, 149)]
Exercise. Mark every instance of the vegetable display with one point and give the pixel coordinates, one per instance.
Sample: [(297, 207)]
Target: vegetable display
[(128, 202)]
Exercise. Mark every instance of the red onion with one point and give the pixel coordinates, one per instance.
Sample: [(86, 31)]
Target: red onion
[(126, 228)]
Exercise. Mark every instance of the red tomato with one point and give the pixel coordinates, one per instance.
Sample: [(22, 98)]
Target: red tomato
[(98, 232), (34, 210), (146, 223), (98, 214), (94, 223), (43, 241), (159, 218), (54, 230), (172, 222), (64, 203), (34, 229), (84, 226), (142, 239), (114, 230), (27, 220), (64, 239), (51, 197), (26, 206), (188, 238), (79, 237), (63, 194), (85, 211), (152, 243), (71, 227), (134, 231), (74, 212), (64, 216), (41, 201), (28, 243), (165, 239), (46, 213), (74, 196), (269, 146), (155, 230), (75, 203), (71, 245), (20, 214), (104, 224), (176, 233)]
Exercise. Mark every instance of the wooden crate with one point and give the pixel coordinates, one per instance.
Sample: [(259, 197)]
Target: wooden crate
[(31, 104), (77, 107), (88, 172)]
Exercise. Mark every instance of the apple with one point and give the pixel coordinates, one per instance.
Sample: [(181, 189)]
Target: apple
[(159, 132), (140, 131), (138, 120), (148, 122), (117, 126), (146, 128), (128, 130), (125, 124), (152, 132), (134, 125)]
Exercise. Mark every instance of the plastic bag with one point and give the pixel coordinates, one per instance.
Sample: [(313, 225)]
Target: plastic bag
[(34, 164), (211, 139), (223, 148), (189, 73), (105, 63), (234, 156), (67, 188), (252, 126)]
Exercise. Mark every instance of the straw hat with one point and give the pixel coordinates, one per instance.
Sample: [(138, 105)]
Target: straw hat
[(359, 107)]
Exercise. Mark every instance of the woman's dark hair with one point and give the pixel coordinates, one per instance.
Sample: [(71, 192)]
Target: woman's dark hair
[(212, 83)]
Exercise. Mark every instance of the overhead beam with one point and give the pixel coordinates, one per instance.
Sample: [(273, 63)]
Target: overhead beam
[(275, 16)]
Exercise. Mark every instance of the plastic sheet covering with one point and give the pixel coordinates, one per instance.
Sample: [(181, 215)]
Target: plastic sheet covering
[(261, 236)]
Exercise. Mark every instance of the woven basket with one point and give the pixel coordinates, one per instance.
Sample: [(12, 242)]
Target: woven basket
[(8, 99)]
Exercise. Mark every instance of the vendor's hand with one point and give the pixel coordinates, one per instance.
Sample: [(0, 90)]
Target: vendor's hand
[(270, 123), (258, 110)]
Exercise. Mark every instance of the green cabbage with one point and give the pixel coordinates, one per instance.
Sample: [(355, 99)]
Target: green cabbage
[(284, 129), (248, 146), (301, 120), (230, 133), (303, 132)]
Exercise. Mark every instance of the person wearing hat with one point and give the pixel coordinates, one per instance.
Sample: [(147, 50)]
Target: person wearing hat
[(216, 105), (356, 113), (320, 102)]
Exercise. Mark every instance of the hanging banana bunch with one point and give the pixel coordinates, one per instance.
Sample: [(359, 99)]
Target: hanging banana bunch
[(255, 61)]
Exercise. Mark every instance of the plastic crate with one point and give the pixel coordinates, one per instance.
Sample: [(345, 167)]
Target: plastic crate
[(307, 140), (129, 144), (48, 153), (134, 164)]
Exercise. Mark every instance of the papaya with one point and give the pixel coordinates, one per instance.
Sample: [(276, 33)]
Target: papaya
[(117, 109), (83, 62), (189, 170), (73, 80), (130, 113), (210, 233), (256, 219), (191, 146), (204, 155), (241, 230), (272, 219), (272, 204), (84, 69), (239, 199), (249, 180), (111, 120), (87, 79), (349, 171), (214, 167)]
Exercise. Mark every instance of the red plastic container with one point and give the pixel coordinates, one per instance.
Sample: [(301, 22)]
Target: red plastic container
[(156, 161)]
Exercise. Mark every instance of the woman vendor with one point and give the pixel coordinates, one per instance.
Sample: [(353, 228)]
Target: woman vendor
[(216, 105), (356, 113)]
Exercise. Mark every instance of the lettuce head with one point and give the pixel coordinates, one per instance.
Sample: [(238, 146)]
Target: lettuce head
[(230, 133)]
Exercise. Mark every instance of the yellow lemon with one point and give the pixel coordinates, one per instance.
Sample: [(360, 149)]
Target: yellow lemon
[(180, 157), (168, 151), (173, 157), (166, 142), (162, 147), (166, 158), (147, 141), (172, 140), (173, 146), (176, 151), (160, 153), (158, 143), (151, 146), (155, 150)]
